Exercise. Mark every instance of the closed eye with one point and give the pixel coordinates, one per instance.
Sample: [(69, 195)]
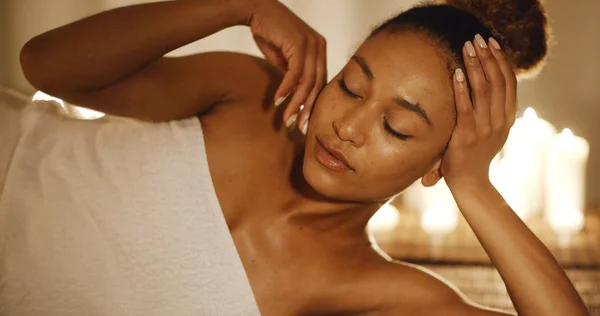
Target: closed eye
[(347, 91), (390, 130)]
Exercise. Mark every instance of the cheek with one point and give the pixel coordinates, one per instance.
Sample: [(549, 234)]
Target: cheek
[(390, 162), (325, 107), (396, 165)]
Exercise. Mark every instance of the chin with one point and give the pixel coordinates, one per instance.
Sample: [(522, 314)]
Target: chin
[(327, 183)]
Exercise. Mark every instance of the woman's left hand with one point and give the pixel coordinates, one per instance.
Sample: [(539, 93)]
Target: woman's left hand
[(483, 123)]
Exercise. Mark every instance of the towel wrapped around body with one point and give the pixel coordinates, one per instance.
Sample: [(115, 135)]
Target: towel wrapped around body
[(112, 217)]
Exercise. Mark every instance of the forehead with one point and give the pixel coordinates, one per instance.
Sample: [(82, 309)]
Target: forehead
[(409, 63)]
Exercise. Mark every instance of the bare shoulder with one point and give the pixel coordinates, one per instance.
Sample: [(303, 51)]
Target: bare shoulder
[(413, 290)]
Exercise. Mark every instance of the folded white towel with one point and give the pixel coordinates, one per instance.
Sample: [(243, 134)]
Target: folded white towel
[(113, 217)]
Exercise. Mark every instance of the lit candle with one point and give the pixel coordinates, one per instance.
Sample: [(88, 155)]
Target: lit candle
[(384, 220), (412, 197), (440, 212), (566, 167), (566, 223), (510, 179), (525, 150)]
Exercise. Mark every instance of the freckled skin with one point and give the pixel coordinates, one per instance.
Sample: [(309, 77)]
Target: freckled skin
[(403, 65), (302, 237)]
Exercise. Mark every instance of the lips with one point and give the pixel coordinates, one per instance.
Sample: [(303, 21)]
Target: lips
[(330, 157)]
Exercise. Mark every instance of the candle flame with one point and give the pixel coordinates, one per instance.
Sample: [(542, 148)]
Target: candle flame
[(530, 114), (567, 132)]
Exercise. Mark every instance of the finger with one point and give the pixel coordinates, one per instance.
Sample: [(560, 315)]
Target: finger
[(496, 83), (465, 115), (321, 80), (510, 78), (479, 89), (295, 67), (306, 83)]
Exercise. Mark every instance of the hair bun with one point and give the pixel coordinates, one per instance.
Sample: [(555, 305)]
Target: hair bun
[(521, 27)]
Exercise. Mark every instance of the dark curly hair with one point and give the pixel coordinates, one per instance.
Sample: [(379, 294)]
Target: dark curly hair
[(520, 26)]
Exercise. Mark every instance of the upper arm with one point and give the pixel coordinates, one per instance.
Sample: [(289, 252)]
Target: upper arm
[(422, 292), (448, 302), (175, 88)]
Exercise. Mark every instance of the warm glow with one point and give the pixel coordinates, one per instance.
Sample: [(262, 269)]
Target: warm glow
[(567, 132), (566, 223), (439, 220), (385, 219), (511, 178), (530, 114)]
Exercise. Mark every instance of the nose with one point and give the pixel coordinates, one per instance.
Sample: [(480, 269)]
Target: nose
[(350, 126)]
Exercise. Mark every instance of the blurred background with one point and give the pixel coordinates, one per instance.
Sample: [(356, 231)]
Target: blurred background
[(412, 228)]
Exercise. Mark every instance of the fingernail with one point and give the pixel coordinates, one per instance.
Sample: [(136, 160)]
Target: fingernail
[(280, 100), (494, 43), (480, 41), (460, 75), (291, 120), (470, 49), (305, 127)]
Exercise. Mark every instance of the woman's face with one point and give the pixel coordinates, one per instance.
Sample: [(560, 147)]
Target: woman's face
[(388, 114)]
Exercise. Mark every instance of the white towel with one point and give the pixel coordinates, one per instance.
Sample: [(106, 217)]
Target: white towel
[(113, 217)]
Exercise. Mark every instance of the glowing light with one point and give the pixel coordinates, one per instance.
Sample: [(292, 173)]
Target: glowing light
[(439, 220), (566, 223), (385, 219), (530, 114), (567, 132), (525, 153), (566, 167)]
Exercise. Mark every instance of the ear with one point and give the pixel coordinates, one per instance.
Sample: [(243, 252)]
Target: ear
[(433, 175)]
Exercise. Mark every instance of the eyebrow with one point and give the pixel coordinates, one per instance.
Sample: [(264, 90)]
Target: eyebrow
[(413, 107), (364, 67)]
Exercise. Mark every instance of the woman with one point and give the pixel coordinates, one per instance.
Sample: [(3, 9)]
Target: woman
[(429, 94)]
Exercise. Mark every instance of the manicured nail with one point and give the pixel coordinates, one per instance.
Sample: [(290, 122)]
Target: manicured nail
[(460, 75), (494, 43), (480, 41), (305, 127), (470, 49), (280, 100), (291, 120)]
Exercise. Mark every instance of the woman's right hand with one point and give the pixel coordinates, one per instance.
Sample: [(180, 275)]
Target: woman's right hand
[(295, 49)]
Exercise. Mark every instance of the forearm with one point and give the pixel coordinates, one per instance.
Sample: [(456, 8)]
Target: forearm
[(536, 283), (96, 51)]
